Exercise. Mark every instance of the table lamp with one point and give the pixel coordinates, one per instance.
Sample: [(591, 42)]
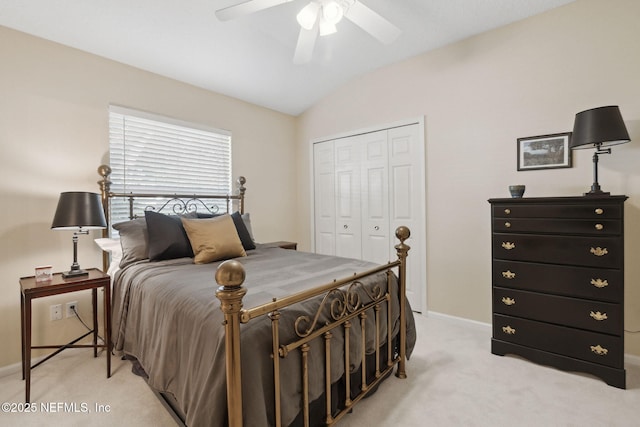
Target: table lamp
[(598, 128), (81, 212)]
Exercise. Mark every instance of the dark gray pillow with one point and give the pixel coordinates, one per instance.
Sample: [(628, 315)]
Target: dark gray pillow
[(243, 232), (134, 240), (167, 237)]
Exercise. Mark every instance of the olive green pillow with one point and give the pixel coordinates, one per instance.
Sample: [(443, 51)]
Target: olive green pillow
[(213, 239)]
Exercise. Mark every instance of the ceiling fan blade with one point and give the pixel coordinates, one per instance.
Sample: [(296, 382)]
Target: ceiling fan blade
[(372, 23), (246, 8), (305, 45)]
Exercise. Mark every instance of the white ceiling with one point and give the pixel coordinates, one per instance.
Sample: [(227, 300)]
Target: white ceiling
[(250, 58)]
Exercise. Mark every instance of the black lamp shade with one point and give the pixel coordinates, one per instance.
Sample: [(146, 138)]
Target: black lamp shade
[(601, 126), (79, 210)]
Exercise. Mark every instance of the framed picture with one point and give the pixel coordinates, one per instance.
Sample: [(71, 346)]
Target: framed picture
[(544, 152)]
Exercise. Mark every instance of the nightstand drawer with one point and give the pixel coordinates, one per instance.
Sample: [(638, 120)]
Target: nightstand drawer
[(590, 346), (599, 252), (607, 227), (595, 211), (582, 282), (585, 314)]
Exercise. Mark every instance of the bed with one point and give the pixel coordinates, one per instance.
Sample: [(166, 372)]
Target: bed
[(271, 349)]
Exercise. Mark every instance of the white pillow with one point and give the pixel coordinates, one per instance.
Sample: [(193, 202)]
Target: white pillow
[(114, 247)]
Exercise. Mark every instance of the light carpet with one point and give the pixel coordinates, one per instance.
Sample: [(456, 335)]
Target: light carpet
[(453, 380)]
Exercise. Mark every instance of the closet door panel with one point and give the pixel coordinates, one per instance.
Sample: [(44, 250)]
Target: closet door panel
[(406, 163), (348, 216), (324, 198), (375, 197)]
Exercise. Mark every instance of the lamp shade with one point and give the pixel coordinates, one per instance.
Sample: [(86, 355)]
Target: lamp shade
[(79, 210), (601, 126)]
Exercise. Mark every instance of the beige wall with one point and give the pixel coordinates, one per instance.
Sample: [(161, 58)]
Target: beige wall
[(478, 96), (53, 135)]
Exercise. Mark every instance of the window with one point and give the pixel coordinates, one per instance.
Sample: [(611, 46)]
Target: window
[(152, 154)]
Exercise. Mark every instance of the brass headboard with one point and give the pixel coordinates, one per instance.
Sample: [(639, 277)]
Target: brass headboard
[(184, 202)]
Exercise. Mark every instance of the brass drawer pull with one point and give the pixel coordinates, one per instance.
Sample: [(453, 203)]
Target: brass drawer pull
[(510, 301), (508, 245), (508, 330), (508, 274), (507, 224), (599, 350), (598, 316), (599, 251), (599, 211), (599, 227), (599, 283), (507, 211)]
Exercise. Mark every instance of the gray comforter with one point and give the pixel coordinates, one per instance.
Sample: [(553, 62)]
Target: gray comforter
[(166, 315)]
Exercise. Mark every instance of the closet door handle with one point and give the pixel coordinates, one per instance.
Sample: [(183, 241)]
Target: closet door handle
[(376, 228), (345, 226)]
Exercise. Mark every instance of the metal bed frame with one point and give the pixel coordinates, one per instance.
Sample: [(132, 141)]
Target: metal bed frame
[(340, 297)]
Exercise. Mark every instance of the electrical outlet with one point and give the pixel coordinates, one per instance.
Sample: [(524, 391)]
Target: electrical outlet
[(70, 307), (56, 312)]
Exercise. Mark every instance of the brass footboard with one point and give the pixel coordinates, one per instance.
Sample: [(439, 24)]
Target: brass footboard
[(343, 300)]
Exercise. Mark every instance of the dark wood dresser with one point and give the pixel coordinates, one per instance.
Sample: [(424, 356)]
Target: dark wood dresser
[(558, 282)]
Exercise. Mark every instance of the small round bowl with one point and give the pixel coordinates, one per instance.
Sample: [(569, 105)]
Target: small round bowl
[(516, 190)]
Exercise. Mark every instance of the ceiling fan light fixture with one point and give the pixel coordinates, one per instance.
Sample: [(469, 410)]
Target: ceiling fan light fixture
[(326, 27), (308, 15), (332, 12)]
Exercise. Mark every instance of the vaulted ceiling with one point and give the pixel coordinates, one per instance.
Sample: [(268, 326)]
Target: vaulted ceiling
[(251, 57)]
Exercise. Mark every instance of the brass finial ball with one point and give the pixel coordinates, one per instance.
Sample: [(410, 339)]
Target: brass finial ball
[(104, 170), (230, 274), (403, 233), (242, 180)]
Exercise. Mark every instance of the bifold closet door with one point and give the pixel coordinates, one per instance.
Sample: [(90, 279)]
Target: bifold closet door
[(324, 198), (374, 183), (407, 202), (365, 187), (347, 198)]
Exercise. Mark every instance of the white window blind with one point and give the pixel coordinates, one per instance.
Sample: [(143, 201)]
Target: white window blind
[(156, 155)]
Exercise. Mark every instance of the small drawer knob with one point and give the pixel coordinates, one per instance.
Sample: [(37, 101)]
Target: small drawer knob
[(507, 211), (507, 224), (599, 211), (508, 245), (599, 227)]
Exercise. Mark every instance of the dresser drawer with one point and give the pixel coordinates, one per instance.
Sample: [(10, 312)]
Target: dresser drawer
[(606, 227), (595, 211), (582, 282), (580, 313), (599, 252), (590, 346)]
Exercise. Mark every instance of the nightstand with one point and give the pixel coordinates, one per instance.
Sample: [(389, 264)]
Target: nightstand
[(281, 244), (30, 289)]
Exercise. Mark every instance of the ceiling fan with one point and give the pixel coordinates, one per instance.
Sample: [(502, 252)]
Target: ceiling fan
[(319, 17)]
